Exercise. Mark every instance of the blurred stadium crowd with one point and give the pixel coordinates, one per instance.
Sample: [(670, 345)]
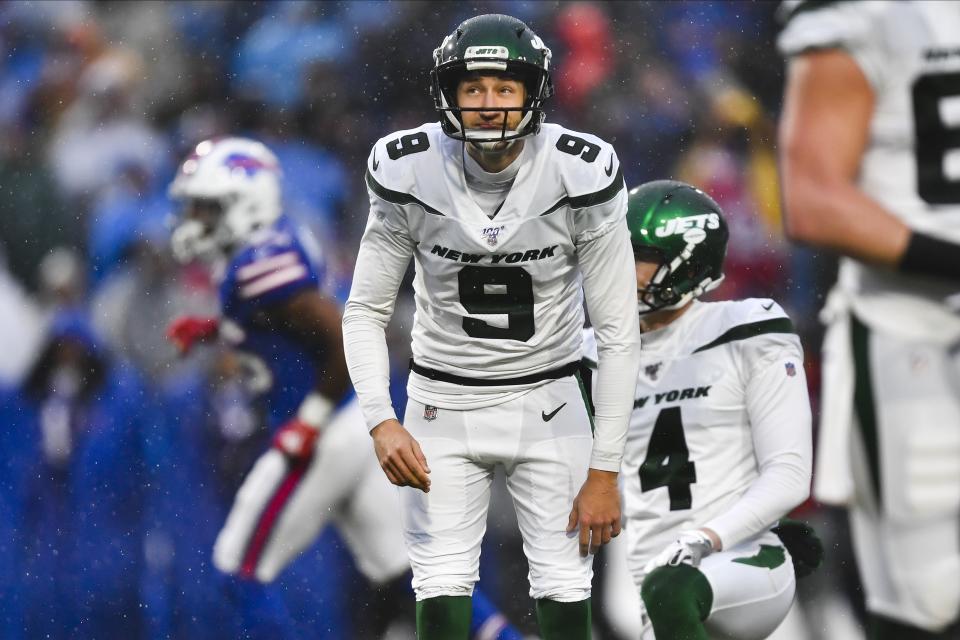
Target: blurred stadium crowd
[(115, 483)]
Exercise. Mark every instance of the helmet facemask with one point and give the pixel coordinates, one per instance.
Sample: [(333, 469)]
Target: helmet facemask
[(198, 235), (673, 284), (446, 82)]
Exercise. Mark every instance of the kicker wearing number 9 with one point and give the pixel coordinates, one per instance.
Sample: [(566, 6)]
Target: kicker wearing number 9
[(512, 224)]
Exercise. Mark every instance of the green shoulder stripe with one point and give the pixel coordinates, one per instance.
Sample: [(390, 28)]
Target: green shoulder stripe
[(397, 197), (599, 197), (749, 330), (591, 199)]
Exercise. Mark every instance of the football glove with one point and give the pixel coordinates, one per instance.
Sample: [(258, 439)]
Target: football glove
[(804, 546), (689, 548), (186, 331), (296, 439)]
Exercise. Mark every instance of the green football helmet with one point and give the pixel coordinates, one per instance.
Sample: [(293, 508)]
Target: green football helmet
[(681, 228), (492, 43)]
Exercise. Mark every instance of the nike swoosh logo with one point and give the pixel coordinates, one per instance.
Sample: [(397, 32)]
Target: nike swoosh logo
[(376, 165), (547, 417), (767, 307), (609, 169)]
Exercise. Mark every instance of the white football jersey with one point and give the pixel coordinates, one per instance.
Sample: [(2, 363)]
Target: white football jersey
[(496, 298), (910, 54), (692, 450)]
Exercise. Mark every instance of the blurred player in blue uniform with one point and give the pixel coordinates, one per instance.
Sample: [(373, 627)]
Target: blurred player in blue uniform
[(287, 331), (72, 491)]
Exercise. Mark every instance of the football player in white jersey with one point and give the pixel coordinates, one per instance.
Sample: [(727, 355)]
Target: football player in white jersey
[(869, 139), (719, 447), (512, 224), (277, 314)]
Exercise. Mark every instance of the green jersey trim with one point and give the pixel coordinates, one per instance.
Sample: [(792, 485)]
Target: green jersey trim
[(863, 400), (396, 197), (591, 199), (770, 556), (750, 330), (585, 393)]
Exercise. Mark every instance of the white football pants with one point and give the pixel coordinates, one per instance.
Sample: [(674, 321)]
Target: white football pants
[(543, 440)]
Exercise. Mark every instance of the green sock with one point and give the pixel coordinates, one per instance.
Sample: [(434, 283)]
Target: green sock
[(678, 600), (444, 618), (881, 628), (564, 620)]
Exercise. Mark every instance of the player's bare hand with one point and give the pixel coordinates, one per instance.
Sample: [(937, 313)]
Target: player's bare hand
[(400, 456), (596, 511)]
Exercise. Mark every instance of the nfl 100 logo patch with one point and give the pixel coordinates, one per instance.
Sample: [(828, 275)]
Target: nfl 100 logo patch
[(429, 413), (791, 369), (492, 234), (652, 370)]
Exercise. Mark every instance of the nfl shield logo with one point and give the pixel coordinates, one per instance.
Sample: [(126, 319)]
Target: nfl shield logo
[(791, 370), (429, 413)]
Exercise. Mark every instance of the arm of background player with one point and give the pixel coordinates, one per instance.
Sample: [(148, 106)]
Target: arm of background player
[(313, 322), (780, 424), (824, 129), (610, 290), (380, 267)]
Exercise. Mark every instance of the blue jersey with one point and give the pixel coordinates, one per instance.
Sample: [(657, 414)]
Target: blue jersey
[(276, 264)]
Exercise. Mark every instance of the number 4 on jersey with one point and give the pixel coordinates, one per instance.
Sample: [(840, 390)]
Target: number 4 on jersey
[(668, 460)]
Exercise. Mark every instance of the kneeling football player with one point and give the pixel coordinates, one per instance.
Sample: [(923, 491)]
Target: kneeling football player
[(719, 445)]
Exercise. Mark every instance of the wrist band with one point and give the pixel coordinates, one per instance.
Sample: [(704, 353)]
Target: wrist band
[(314, 410), (929, 256)]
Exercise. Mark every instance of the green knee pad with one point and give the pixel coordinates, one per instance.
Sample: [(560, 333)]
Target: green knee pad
[(564, 620), (444, 618), (678, 600)]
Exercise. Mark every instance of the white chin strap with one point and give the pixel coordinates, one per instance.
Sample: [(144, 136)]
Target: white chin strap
[(498, 146)]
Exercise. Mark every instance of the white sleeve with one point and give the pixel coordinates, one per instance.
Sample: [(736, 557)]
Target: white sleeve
[(779, 410), (855, 27), (605, 206), (610, 290), (382, 261)]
